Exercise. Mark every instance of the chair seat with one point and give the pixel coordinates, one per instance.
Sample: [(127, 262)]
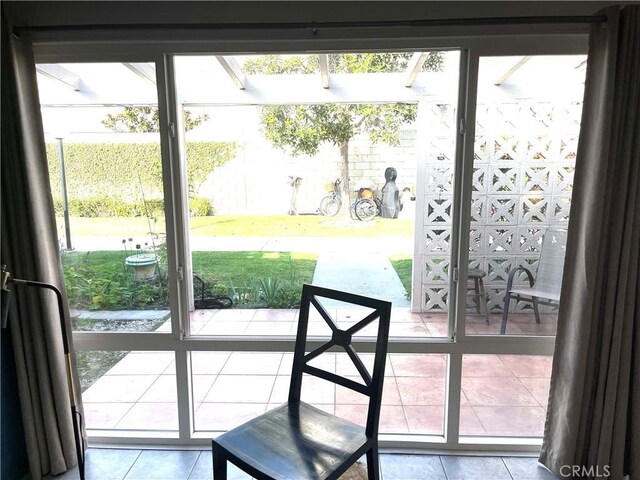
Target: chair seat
[(294, 441), (536, 292)]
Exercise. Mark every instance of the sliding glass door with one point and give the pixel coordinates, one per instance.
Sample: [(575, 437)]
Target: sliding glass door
[(195, 204)]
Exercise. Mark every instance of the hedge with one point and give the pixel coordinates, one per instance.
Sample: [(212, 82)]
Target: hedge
[(118, 170), (105, 206)]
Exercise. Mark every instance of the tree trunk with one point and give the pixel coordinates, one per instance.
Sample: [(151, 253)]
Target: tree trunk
[(344, 177)]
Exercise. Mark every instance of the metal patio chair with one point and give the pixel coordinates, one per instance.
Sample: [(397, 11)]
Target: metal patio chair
[(297, 441), (548, 280)]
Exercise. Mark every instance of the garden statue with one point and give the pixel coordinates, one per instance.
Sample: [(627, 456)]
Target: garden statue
[(390, 194)]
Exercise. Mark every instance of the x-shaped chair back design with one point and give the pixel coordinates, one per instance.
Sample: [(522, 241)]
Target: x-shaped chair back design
[(372, 386)]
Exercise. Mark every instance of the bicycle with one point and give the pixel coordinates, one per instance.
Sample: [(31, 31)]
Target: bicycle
[(331, 204), (364, 208)]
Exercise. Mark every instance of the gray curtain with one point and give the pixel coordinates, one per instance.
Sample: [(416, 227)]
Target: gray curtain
[(30, 251), (593, 416)]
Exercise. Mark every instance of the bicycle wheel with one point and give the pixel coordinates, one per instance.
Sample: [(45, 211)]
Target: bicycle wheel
[(366, 209), (330, 206)]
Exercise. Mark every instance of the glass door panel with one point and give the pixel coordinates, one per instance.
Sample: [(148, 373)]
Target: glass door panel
[(526, 134), (103, 150), (266, 149)]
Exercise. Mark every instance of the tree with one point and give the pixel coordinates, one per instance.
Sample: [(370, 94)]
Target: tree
[(301, 129), (144, 120)]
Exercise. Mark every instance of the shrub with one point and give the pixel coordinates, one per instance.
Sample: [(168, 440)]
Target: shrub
[(200, 207)]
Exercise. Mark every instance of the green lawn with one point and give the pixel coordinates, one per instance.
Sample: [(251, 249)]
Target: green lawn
[(247, 226), (402, 265)]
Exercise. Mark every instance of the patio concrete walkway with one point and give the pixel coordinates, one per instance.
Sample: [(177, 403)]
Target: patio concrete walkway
[(363, 273)]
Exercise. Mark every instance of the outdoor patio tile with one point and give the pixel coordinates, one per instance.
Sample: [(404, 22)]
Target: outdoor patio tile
[(527, 468), (201, 384), (118, 388), (245, 363), (425, 419), (163, 465), (482, 328), (408, 330), (346, 317), (109, 464), (512, 421), (435, 317), (470, 423), (165, 327), (420, 365), (528, 365), (421, 391), (539, 388), (275, 315), (484, 366), (314, 315), (202, 315), (208, 363), (270, 328), (535, 329), (314, 390), (150, 416), (392, 419), (437, 329), (203, 469), (474, 468), (241, 388), (163, 390), (104, 415), (497, 392), (390, 393), (345, 366), (326, 361), (320, 329), (411, 467), (220, 417), (231, 327), (235, 314), (196, 327), (405, 315), (142, 364)]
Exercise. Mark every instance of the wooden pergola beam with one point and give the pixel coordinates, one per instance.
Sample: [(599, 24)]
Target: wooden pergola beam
[(143, 70), (233, 70), (61, 74), (324, 69), (512, 70), (414, 67)]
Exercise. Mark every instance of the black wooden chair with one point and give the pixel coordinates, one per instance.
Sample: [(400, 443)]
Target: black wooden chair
[(297, 441)]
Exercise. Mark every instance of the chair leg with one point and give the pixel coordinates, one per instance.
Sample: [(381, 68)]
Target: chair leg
[(505, 313), (536, 310), (483, 298), (219, 464), (373, 463), (476, 291)]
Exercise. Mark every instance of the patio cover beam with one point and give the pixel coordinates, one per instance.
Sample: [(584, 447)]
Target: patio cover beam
[(323, 59), (143, 70), (233, 70), (512, 70), (61, 74), (414, 67)]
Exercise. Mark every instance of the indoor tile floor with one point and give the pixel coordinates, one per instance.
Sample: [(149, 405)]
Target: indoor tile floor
[(130, 464)]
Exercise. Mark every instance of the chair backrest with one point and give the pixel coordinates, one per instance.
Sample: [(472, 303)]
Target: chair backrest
[(372, 386), (551, 263)]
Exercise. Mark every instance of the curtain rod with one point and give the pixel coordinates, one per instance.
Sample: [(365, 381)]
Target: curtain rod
[(315, 26)]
